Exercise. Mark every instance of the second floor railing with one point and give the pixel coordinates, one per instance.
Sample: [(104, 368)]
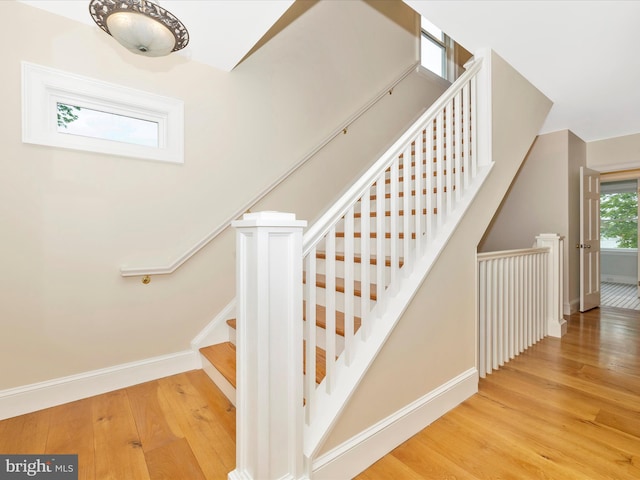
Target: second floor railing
[(519, 300)]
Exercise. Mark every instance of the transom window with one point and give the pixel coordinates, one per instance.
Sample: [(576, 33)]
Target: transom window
[(61, 109)]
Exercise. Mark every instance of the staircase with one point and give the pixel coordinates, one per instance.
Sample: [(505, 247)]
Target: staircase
[(365, 258)]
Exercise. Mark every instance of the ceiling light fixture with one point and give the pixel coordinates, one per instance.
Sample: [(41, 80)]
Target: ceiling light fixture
[(140, 26)]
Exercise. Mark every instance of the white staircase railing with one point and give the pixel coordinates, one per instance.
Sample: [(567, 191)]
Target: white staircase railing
[(519, 300), (363, 261)]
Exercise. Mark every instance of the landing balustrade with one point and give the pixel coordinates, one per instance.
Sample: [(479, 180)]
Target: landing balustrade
[(519, 300)]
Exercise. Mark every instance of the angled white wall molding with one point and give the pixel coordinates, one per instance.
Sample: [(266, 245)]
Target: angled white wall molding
[(217, 331), (30, 398)]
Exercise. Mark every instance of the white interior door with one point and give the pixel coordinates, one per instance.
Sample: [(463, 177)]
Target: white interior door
[(589, 239)]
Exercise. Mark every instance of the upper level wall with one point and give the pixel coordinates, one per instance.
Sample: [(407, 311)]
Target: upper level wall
[(70, 219), (611, 154), (536, 200), (544, 198)]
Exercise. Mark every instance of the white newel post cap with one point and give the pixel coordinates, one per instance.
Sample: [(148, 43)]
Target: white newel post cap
[(269, 219)]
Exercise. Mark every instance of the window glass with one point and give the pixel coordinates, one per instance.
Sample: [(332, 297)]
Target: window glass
[(619, 220), (86, 122), (432, 56), (433, 49)]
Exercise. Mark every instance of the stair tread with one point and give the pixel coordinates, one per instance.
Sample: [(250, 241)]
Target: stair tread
[(357, 286), (321, 316), (321, 362), (223, 357), (375, 235), (321, 255), (387, 213)]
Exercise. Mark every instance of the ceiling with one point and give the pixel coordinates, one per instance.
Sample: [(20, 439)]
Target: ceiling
[(580, 54), (221, 32)]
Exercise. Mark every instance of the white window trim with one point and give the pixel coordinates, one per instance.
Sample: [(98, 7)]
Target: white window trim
[(620, 251), (43, 88)]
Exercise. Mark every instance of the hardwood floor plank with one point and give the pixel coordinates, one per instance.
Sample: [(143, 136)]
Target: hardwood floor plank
[(71, 432), (471, 452), (391, 468), (511, 382), (566, 453), (552, 371), (426, 462), (172, 461), (26, 433), (212, 446), (565, 412), (224, 410), (156, 426), (116, 440), (624, 421)]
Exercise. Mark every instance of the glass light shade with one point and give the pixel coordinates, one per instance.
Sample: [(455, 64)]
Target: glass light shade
[(141, 26), (141, 34)]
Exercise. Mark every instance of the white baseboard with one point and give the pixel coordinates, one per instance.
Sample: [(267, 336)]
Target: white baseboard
[(572, 307), (217, 331), (359, 452), (30, 398)]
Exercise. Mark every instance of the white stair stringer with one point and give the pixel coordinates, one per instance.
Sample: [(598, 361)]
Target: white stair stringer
[(397, 299)]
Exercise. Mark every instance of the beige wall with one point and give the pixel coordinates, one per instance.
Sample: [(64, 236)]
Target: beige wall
[(612, 154), (435, 341), (536, 200), (70, 219), (544, 198)]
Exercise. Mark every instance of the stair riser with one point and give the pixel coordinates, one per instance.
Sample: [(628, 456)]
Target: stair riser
[(386, 246), (340, 301), (232, 335), (321, 339), (357, 271), (386, 222)]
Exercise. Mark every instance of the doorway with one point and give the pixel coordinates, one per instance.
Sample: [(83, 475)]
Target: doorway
[(619, 244)]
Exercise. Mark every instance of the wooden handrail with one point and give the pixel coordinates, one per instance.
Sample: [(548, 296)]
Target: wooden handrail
[(126, 271)]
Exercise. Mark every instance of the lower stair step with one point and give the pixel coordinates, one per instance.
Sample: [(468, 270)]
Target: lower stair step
[(223, 357)]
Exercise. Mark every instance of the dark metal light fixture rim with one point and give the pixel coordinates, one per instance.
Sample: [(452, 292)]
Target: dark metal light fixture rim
[(100, 10)]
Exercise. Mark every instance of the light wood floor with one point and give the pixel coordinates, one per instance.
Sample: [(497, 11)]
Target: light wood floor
[(565, 409), (176, 428)]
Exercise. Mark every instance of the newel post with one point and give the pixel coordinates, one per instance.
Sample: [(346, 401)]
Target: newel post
[(269, 397), (556, 324)]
